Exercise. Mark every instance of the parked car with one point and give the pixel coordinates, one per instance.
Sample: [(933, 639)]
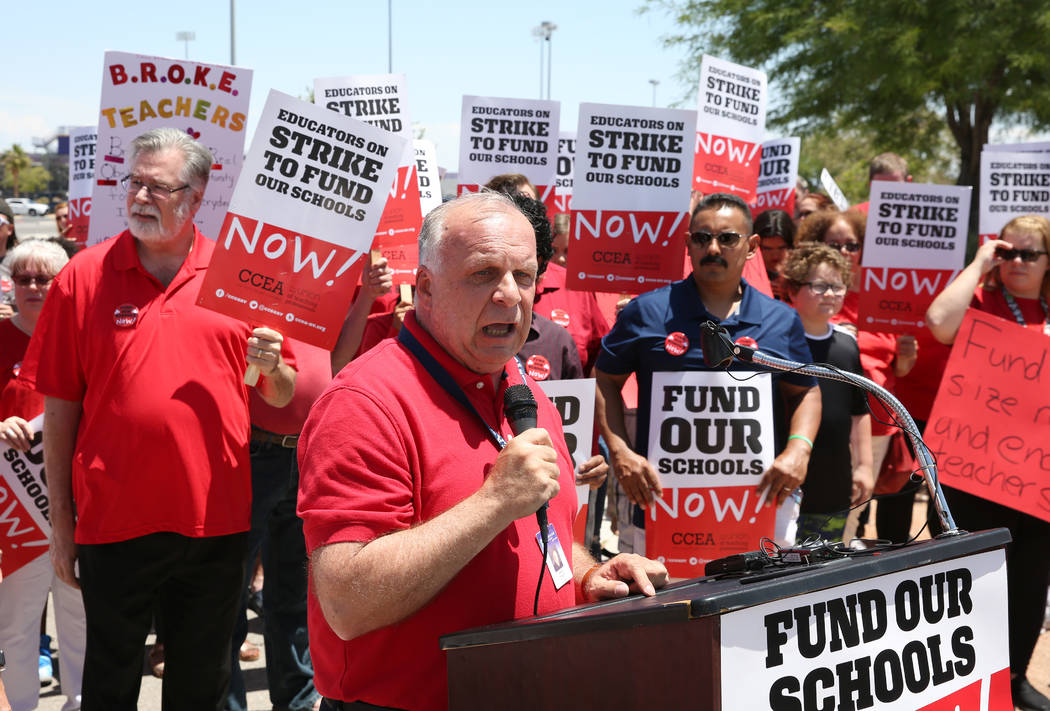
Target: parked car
[(25, 206)]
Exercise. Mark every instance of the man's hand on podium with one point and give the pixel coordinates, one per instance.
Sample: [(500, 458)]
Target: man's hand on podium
[(620, 576)]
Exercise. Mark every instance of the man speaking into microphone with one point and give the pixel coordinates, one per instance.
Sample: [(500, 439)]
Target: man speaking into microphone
[(418, 505)]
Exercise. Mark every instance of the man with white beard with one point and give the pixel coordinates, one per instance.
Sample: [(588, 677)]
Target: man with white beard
[(146, 436)]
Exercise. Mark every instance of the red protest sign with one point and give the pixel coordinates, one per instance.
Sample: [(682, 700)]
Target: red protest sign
[(397, 236), (988, 425), (621, 251), (689, 527), (270, 276), (24, 505), (726, 165), (289, 252), (777, 176), (895, 300)]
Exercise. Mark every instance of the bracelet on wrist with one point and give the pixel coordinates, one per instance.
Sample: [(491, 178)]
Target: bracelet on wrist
[(804, 438), (586, 577)]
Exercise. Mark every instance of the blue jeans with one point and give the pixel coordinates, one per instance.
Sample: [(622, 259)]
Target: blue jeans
[(278, 533)]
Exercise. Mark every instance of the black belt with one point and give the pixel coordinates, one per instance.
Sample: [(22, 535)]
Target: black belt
[(286, 441)]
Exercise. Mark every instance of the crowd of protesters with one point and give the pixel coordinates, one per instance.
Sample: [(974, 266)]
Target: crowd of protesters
[(170, 481)]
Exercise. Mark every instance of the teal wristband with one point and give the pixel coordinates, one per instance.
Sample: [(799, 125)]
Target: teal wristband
[(805, 439)]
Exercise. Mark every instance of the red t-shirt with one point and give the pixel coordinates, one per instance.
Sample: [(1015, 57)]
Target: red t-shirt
[(576, 311), (314, 372), (877, 352), (993, 302), (163, 438), (386, 448), (16, 396)]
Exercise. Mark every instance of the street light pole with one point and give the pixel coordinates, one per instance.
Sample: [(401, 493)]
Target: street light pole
[(185, 37), (389, 36), (544, 32), (654, 82)]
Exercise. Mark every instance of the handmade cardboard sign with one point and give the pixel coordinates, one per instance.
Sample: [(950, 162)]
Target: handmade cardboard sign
[(141, 92)]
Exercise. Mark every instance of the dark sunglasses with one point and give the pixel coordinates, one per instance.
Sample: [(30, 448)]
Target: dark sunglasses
[(725, 239), (1026, 255), (848, 246), (27, 279)]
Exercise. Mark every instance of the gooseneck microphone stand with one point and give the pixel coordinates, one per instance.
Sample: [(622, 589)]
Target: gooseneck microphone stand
[(719, 352)]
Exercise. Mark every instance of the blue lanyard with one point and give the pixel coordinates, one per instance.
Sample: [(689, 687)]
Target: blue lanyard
[(442, 377)]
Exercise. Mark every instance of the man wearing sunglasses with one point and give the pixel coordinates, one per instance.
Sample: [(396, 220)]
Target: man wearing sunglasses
[(660, 331), (146, 436)]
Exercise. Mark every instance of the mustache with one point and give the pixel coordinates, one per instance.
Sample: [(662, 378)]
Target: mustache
[(714, 259), (145, 211)]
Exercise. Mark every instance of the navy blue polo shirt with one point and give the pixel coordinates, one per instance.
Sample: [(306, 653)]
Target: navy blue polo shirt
[(637, 342)]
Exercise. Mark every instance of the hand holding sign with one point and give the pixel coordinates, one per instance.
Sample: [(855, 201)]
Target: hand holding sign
[(593, 472), (16, 433), (263, 355), (639, 480)]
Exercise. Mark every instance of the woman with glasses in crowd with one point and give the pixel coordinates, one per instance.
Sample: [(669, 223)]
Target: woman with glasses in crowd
[(1010, 278), (33, 264)]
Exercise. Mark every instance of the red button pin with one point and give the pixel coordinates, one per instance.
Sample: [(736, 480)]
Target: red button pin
[(676, 343)]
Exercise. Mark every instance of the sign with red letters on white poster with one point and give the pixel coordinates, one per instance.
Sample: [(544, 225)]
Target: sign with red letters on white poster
[(24, 505), (82, 142), (630, 197), (379, 100), (1012, 184), (289, 253), (427, 175), (140, 92), (731, 122), (710, 441), (930, 638), (508, 136), (914, 245), (777, 176)]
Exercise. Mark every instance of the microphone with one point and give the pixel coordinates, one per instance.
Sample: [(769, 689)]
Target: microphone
[(520, 408)]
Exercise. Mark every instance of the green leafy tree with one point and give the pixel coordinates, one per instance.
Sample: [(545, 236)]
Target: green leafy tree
[(16, 162), (885, 67), (32, 180)]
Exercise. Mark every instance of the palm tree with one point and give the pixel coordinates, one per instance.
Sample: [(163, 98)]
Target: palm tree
[(15, 161)]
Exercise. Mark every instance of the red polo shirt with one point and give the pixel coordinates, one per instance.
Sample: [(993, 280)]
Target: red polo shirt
[(314, 372), (576, 311), (163, 438), (16, 396), (386, 448)]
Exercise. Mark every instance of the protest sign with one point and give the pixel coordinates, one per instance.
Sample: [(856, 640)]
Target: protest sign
[(82, 141), (427, 176), (833, 190), (1029, 147), (631, 197), (379, 100), (731, 121), (575, 401), (25, 513), (914, 245), (989, 421), (710, 440), (289, 253), (929, 638), (777, 176), (139, 93), (1012, 184), (566, 163), (508, 136)]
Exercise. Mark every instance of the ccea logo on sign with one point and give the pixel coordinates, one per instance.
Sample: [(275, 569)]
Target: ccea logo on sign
[(676, 343), (126, 316)]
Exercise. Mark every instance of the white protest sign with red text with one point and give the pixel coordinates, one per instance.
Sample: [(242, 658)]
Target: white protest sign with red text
[(731, 122), (82, 142), (930, 638), (630, 197), (289, 253), (24, 507), (566, 162), (379, 100), (914, 245), (777, 176), (1012, 184), (427, 176), (575, 401), (508, 136), (139, 92), (989, 422), (710, 440)]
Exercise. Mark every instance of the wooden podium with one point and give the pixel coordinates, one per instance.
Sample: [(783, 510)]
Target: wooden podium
[(666, 652)]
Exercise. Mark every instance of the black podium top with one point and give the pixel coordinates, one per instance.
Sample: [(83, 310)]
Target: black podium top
[(701, 597)]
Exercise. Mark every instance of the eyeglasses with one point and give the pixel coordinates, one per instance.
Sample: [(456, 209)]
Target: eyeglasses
[(155, 190), (822, 287), (1026, 255), (27, 279), (725, 239), (848, 246)]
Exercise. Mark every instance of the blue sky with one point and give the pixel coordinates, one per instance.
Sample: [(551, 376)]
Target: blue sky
[(602, 51)]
